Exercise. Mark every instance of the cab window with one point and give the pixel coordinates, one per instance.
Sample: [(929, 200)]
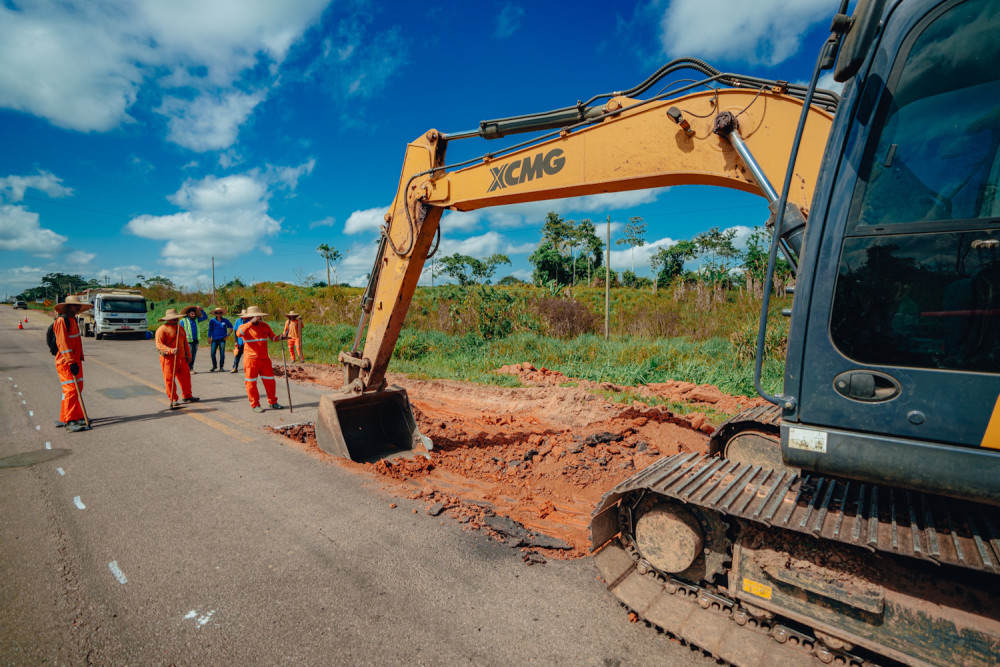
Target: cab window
[(918, 281)]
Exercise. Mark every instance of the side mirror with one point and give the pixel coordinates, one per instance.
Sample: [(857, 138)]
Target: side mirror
[(860, 35)]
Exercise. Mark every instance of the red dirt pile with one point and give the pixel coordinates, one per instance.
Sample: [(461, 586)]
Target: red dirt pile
[(526, 465)]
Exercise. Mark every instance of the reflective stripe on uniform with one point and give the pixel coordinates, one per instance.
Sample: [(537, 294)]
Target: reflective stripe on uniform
[(266, 377), (65, 351), (74, 335), (253, 379), (254, 340), (66, 382)]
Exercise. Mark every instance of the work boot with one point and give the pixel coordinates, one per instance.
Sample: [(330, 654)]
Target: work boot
[(212, 370), (276, 406), (257, 408), (60, 424), (77, 426), (233, 371), (191, 399)]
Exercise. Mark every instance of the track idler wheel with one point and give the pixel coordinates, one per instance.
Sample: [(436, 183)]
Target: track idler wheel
[(669, 537)]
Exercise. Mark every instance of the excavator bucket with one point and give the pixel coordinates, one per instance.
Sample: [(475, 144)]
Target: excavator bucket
[(368, 427)]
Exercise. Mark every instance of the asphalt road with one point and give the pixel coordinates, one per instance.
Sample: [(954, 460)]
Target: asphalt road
[(194, 536)]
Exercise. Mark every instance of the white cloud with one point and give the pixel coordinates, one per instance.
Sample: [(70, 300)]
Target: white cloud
[(508, 20), (622, 259), (289, 176), (826, 81), (368, 220), (357, 62), (20, 231), (356, 266), (533, 213), (81, 64), (483, 245), (764, 31), (210, 121), (328, 221), (222, 217), (14, 280), (12, 188), (127, 273), (80, 258)]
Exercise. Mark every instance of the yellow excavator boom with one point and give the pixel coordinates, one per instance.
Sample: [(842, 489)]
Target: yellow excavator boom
[(734, 138)]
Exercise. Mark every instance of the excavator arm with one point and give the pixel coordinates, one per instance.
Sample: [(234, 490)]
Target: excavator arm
[(734, 138)]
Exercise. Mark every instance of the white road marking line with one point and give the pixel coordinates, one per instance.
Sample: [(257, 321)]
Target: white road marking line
[(20, 394), (37, 427), (200, 620), (48, 445), (60, 471), (31, 413), (79, 503), (115, 570), (24, 402)]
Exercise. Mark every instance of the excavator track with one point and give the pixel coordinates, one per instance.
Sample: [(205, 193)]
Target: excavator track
[(708, 619), (765, 511), (873, 516)]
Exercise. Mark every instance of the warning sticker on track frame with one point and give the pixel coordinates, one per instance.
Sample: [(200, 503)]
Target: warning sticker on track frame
[(754, 588), (807, 439)]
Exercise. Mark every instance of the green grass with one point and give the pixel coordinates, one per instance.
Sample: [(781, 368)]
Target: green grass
[(627, 397), (681, 333)]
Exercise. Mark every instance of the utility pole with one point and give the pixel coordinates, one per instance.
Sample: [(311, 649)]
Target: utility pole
[(607, 287), (213, 284)]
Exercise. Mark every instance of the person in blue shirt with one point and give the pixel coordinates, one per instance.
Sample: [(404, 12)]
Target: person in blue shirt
[(190, 316), (238, 349), (219, 329)]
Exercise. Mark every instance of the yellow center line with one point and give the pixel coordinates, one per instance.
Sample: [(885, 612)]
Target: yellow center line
[(208, 421)]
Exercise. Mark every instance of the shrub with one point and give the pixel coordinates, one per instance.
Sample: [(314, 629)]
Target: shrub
[(565, 318)]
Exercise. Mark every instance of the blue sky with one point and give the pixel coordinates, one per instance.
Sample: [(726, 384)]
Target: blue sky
[(144, 137)]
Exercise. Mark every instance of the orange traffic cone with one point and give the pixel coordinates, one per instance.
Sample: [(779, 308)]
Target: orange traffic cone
[(20, 326)]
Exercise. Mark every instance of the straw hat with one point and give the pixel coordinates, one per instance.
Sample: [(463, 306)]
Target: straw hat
[(188, 309), (73, 300), (253, 311), (292, 313), (218, 311), (170, 316)]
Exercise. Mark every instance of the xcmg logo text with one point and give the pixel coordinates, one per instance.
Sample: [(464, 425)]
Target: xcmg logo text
[(527, 169)]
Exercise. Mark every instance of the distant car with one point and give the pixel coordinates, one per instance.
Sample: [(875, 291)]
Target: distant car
[(20, 304)]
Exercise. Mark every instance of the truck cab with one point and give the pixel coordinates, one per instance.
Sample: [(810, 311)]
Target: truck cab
[(115, 313)]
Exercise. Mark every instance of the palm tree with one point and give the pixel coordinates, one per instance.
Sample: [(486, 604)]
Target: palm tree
[(330, 254)]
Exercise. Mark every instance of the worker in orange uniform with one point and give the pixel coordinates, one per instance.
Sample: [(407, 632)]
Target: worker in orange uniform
[(171, 342), (293, 332), (69, 363), (256, 333)]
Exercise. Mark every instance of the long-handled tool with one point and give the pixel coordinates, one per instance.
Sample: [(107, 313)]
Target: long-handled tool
[(288, 388), (173, 376), (79, 395)]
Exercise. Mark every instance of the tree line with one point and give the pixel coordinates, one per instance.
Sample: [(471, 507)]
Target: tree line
[(570, 253)]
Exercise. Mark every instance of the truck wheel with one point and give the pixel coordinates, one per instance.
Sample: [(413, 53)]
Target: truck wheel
[(98, 336)]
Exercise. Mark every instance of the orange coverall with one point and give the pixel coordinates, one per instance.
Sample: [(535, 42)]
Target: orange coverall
[(293, 329), (70, 352), (168, 337), (256, 362)]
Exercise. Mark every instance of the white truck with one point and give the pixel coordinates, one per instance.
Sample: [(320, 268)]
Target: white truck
[(116, 312)]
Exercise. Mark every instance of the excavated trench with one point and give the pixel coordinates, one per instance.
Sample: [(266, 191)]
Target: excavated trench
[(529, 465)]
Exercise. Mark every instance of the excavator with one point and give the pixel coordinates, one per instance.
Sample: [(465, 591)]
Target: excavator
[(855, 518)]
